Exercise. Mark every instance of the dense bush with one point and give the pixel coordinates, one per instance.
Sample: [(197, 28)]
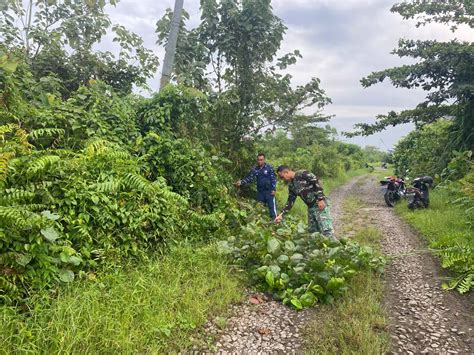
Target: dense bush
[(424, 151), (63, 211), (297, 267), (315, 150)]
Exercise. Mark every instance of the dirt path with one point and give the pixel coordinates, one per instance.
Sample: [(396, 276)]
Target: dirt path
[(424, 319)]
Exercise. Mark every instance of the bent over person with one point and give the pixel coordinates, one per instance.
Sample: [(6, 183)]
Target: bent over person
[(306, 185), (266, 183)]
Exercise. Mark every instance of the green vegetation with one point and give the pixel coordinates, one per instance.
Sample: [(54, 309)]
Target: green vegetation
[(297, 267), (449, 232), (448, 222), (158, 306), (358, 323)]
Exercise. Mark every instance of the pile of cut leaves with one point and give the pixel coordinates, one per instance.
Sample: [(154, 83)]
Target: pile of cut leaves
[(297, 267)]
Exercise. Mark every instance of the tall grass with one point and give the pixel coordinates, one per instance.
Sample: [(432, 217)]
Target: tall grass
[(157, 307)]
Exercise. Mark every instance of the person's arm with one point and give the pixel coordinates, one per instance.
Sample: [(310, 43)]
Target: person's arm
[(249, 178)]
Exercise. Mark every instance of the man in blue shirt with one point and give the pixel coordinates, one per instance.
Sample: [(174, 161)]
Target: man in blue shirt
[(266, 183)]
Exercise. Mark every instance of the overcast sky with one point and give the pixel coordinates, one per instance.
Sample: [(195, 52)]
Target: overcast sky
[(341, 41)]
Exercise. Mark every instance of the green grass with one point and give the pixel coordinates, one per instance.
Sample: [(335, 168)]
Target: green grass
[(157, 307), (356, 323), (443, 223), (299, 209), (449, 232)]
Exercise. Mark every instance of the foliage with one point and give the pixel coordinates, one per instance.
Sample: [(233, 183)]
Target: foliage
[(443, 69), (64, 211), (156, 306), (178, 110), (42, 30), (239, 41), (299, 268), (189, 169), (313, 148), (423, 151), (447, 225)]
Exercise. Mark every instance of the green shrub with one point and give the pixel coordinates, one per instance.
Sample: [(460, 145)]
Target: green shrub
[(63, 211), (297, 267)]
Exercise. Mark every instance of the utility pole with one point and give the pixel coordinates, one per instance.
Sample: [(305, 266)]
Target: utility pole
[(171, 45)]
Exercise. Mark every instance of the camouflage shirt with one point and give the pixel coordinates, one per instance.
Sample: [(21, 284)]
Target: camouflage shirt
[(305, 185)]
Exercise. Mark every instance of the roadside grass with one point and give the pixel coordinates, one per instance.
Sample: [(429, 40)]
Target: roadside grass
[(357, 323), (157, 307), (299, 209), (447, 228)]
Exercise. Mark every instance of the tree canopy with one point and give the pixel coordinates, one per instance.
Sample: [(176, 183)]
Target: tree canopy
[(443, 69)]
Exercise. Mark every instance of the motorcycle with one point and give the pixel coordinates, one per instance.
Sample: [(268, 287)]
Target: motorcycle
[(393, 188), (418, 196)]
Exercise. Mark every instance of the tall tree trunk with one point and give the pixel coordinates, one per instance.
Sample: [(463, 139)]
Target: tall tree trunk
[(171, 45)]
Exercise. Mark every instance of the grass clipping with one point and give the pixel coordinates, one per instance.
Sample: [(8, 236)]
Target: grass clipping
[(297, 267)]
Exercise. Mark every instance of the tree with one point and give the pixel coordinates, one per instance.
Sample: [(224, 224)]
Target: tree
[(443, 69), (232, 55), (56, 37)]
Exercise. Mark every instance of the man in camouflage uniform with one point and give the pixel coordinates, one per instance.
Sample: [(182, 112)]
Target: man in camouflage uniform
[(306, 185)]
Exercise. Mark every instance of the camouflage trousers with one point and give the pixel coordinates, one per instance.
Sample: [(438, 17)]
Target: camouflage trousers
[(320, 220)]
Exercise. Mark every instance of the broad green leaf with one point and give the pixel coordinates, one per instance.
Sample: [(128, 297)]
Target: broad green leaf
[(289, 246), (335, 283), (50, 234), (296, 258), (273, 246), (23, 259), (51, 216), (275, 269), (66, 275), (297, 304), (283, 259), (74, 260), (270, 279), (262, 270), (318, 289), (308, 299)]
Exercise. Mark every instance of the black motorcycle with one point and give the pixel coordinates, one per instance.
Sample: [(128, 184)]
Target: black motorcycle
[(394, 189), (418, 196)]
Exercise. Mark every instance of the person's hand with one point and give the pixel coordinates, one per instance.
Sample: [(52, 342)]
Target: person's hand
[(273, 193), (238, 183), (321, 204), (278, 218)]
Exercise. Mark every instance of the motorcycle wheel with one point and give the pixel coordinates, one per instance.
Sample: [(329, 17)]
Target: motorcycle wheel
[(389, 198)]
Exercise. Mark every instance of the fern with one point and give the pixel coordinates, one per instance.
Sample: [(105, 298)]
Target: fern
[(17, 217), (138, 182), (46, 132), (12, 196), (96, 147), (4, 160), (41, 164), (106, 186)]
